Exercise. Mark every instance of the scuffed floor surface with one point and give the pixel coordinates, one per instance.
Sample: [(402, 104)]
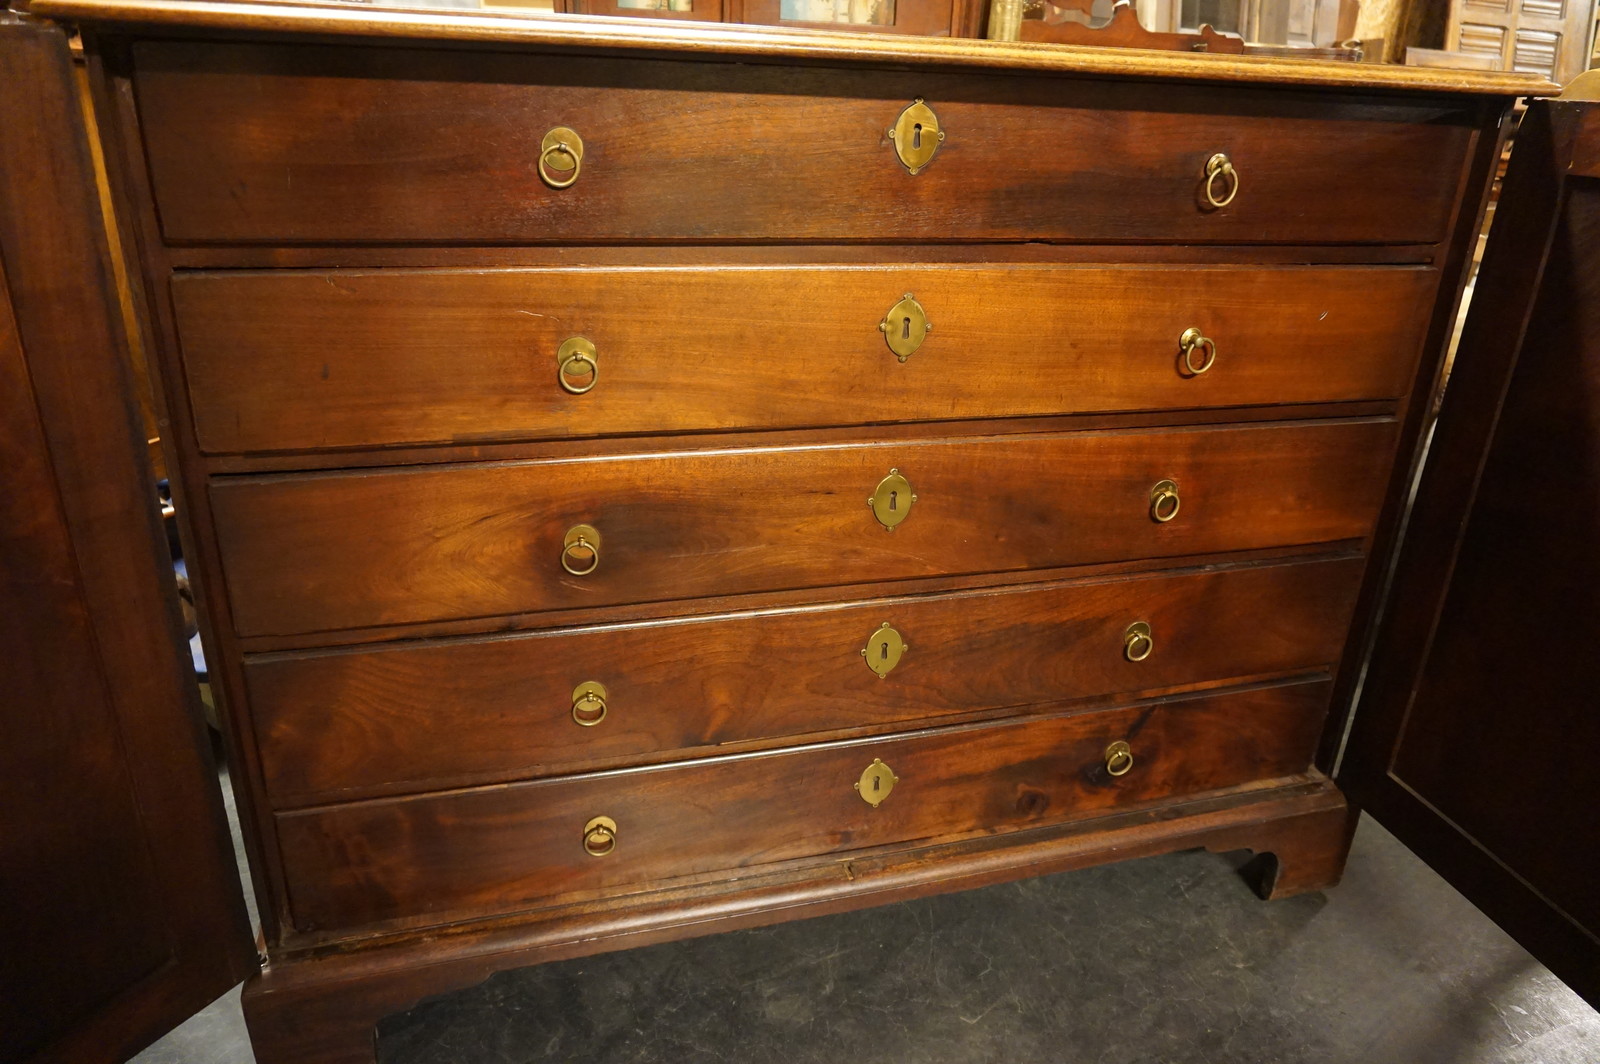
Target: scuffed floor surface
[(1164, 961)]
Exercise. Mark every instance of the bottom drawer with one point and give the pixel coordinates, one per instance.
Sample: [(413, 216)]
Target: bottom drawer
[(446, 856)]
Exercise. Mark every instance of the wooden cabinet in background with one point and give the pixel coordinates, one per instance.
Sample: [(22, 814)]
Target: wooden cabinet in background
[(1546, 37)]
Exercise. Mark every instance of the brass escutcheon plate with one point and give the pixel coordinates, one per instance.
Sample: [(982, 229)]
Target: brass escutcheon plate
[(905, 327), (884, 650), (876, 782), (892, 499), (916, 136)]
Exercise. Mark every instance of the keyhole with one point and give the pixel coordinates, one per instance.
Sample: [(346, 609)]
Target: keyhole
[(883, 650), (905, 329), (894, 500), (916, 135), (877, 783)]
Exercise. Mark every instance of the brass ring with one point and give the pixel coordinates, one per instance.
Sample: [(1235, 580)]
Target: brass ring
[(1137, 635), (1119, 758), (578, 358), (1220, 166), (1191, 341), (560, 149), (1164, 502), (581, 537), (589, 704), (599, 836)]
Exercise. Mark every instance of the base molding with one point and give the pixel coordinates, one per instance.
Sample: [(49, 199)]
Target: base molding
[(324, 1009)]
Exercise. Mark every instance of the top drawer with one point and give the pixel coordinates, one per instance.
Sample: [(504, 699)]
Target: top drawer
[(304, 144)]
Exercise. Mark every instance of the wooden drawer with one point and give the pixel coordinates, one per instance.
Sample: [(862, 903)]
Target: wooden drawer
[(348, 724), (313, 552), (306, 360), (267, 143), (436, 857)]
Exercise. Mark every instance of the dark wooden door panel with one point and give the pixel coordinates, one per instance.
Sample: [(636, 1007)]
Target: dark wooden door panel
[(301, 360), (121, 908), (305, 553), (433, 857), (353, 723), (1477, 739), (253, 143)]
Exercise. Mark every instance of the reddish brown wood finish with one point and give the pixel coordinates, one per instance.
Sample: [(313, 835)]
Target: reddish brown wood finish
[(1476, 737), (431, 858), (316, 552), (120, 910), (253, 143), (324, 1012), (387, 719), (1413, 193), (295, 361)]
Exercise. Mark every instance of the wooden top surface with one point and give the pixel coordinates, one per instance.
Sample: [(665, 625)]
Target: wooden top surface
[(686, 40)]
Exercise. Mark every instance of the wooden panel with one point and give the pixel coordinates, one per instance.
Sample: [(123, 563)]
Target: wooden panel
[(120, 907), (356, 723), (260, 143), (305, 360), (310, 552), (1475, 741), (498, 849)]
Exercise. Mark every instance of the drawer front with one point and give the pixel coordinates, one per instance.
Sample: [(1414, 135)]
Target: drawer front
[(306, 360), (437, 857), (270, 143), (304, 553), (350, 724)]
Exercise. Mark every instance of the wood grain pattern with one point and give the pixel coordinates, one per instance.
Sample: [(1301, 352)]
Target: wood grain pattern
[(254, 143), (303, 553), (1464, 683), (404, 718), (346, 358), (321, 1008), (504, 848), (120, 908), (779, 45)]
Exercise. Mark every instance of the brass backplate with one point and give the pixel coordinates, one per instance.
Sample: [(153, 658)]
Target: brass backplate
[(569, 145), (876, 782), (589, 703), (916, 135), (884, 650), (905, 327), (891, 501)]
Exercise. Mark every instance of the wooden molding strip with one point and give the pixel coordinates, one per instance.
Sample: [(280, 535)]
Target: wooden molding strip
[(721, 41)]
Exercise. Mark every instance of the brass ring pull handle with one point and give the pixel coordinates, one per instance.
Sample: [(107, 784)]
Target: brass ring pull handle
[(561, 150), (1164, 502), (575, 360), (1193, 342), (578, 540), (1137, 643), (599, 836), (1119, 758), (1219, 169), (589, 703)]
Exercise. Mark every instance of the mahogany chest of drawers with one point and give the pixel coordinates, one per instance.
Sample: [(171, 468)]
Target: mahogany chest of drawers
[(644, 480)]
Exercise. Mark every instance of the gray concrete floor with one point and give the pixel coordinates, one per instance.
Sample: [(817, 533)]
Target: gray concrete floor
[(1169, 960)]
